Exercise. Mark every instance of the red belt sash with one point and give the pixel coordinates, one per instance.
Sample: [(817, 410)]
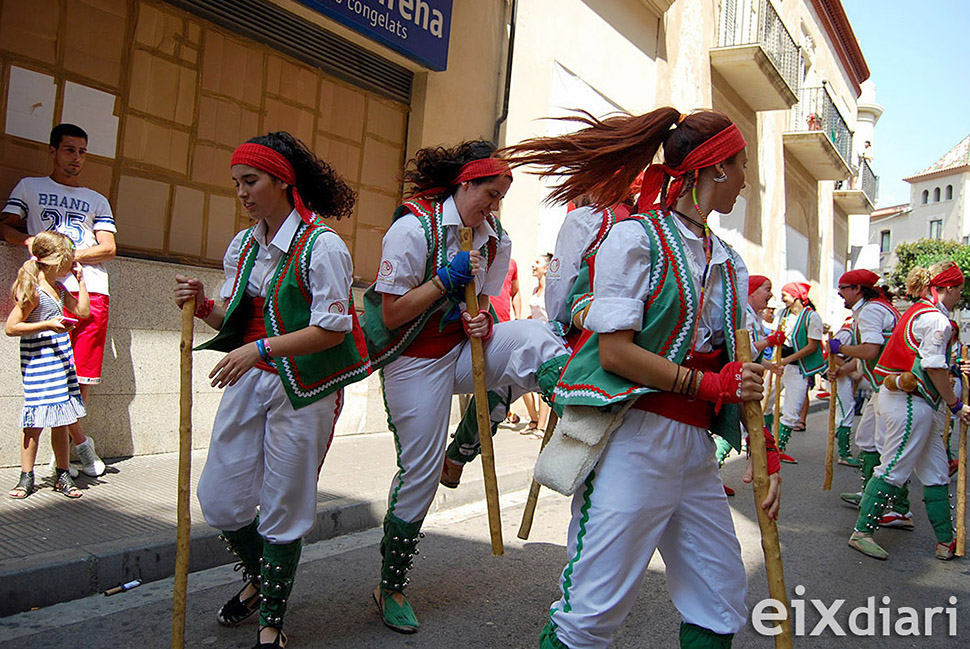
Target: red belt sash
[(431, 343), (256, 327), (678, 406)]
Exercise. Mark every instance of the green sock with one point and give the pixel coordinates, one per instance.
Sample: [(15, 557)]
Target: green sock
[(695, 637)]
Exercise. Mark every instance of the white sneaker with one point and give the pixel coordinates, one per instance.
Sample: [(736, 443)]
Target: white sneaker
[(52, 465), (91, 464), (897, 520)]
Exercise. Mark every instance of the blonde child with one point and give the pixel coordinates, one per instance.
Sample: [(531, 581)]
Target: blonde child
[(51, 394)]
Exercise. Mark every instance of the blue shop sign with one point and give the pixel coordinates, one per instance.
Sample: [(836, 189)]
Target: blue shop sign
[(418, 29)]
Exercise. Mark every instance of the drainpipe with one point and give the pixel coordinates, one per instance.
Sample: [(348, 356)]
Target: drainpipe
[(508, 75)]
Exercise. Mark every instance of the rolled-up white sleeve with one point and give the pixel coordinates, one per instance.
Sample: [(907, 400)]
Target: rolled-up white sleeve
[(621, 280), (230, 262), (331, 273), (933, 331), (844, 336), (815, 326), (578, 231), (404, 257)]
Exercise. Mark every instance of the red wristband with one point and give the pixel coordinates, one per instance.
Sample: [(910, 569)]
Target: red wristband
[(722, 387), (204, 308), (771, 452), (491, 322)]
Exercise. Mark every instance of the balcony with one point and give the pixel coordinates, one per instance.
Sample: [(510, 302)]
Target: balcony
[(818, 136), (756, 55), (861, 192)]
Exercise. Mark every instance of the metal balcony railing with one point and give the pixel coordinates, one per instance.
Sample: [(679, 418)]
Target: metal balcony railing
[(868, 182), (815, 111), (755, 22)]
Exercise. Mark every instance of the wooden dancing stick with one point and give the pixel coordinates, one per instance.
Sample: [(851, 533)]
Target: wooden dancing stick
[(484, 423), (185, 471), (776, 420), (833, 401), (754, 423), (530, 504), (947, 423), (961, 549)]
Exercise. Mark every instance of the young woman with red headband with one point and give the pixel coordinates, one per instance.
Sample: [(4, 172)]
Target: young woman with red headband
[(920, 347), (287, 320), (801, 358), (668, 296), (417, 330)]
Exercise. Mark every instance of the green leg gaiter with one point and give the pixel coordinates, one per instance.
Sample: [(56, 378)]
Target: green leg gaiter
[(842, 434), (548, 638), (937, 500), (723, 450), (276, 580), (466, 445), (247, 544), (769, 420), (784, 434), (547, 376), (398, 549), (900, 503), (870, 460), (695, 637), (875, 499)]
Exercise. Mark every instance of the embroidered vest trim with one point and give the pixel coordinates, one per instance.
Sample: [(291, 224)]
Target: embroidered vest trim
[(901, 353)]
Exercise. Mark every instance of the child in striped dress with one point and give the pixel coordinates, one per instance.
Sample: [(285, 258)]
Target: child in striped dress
[(51, 394)]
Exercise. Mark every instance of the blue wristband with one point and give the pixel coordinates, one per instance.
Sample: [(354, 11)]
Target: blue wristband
[(835, 345), (957, 407), (261, 348), (456, 274)]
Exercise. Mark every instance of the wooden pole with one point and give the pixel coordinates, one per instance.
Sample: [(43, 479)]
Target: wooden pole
[(961, 549), (754, 423), (525, 527), (184, 525), (833, 404), (776, 420), (947, 423), (484, 423)]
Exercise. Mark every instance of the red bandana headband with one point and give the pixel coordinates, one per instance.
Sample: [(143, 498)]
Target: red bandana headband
[(952, 276), (274, 163), (859, 277), (798, 290), (755, 282), (481, 168), (713, 150)]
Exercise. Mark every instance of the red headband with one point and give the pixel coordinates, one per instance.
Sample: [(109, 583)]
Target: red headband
[(716, 149), (859, 277), (755, 282), (798, 290), (952, 276), (481, 168), (274, 163)]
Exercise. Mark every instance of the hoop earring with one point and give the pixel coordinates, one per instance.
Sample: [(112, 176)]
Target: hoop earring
[(721, 178)]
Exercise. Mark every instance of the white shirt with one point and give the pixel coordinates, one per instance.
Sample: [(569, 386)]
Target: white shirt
[(622, 282), (873, 318), (330, 273), (932, 330), (76, 212), (577, 234), (537, 306), (404, 255), (814, 325)]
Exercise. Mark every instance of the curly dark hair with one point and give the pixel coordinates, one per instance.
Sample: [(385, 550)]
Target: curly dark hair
[(437, 166), (874, 292), (320, 186)]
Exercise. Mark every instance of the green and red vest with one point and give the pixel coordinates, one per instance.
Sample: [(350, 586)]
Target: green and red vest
[(670, 316), (309, 377), (581, 294), (815, 362), (384, 344), (869, 366), (901, 353)]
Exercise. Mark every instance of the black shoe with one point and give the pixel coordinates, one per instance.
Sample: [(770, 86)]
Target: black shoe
[(278, 643), (236, 610)]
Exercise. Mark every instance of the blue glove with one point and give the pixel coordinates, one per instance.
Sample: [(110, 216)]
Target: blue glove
[(456, 274)]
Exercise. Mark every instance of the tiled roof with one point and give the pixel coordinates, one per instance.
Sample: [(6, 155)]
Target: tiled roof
[(957, 157)]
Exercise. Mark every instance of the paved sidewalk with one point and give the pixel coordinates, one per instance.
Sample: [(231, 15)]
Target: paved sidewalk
[(53, 549)]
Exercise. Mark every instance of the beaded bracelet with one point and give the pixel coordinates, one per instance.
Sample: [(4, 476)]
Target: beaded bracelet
[(204, 308), (265, 353)]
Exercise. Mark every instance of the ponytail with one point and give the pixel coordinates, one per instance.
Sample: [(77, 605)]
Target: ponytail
[(24, 289), (437, 167), (50, 250)]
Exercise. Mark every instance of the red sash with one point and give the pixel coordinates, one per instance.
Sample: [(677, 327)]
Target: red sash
[(678, 406), (256, 327), (431, 343)]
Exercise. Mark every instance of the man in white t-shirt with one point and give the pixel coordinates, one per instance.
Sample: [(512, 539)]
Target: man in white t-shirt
[(58, 202)]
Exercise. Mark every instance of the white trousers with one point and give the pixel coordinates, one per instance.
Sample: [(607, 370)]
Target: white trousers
[(794, 396), (417, 393), (871, 432), (913, 444), (265, 456), (655, 487), (844, 401)]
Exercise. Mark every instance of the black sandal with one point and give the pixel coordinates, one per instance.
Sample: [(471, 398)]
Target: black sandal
[(25, 486), (236, 609), (65, 485), (278, 643)]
